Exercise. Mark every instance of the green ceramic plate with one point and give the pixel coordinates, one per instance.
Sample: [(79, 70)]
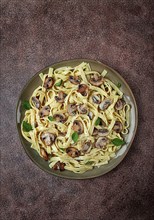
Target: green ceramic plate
[(35, 81)]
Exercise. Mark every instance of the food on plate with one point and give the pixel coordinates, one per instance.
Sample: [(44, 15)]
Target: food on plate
[(76, 119)]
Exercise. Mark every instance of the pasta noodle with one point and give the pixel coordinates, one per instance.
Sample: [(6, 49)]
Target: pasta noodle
[(77, 118)]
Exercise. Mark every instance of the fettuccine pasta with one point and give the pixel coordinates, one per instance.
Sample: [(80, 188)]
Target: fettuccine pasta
[(77, 118)]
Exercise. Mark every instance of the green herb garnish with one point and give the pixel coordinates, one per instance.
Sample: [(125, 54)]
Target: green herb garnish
[(119, 85), (98, 121), (51, 118), (26, 105), (75, 137), (89, 162), (27, 127), (118, 142), (59, 83)]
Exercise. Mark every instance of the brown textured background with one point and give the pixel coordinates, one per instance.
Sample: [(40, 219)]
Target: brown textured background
[(36, 33)]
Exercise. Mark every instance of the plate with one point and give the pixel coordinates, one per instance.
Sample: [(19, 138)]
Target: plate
[(115, 77)]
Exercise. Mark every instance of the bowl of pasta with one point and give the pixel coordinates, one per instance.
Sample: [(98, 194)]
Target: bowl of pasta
[(77, 118)]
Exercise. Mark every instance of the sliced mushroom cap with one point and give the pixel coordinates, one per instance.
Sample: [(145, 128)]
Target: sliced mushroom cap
[(96, 79), (48, 138), (119, 104), (44, 154), (82, 109), (101, 142), (90, 114), (96, 99), (59, 166), (48, 83), (105, 104), (45, 111), (36, 102), (103, 132), (74, 79), (117, 127), (78, 126), (86, 145), (61, 96), (71, 109), (73, 152), (83, 89), (95, 132), (59, 117)]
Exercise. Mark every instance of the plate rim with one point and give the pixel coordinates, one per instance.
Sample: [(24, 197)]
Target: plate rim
[(130, 143)]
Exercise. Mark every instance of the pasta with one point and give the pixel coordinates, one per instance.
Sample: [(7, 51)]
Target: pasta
[(77, 118)]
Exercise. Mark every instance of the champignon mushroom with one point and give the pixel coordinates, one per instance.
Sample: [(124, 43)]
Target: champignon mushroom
[(117, 127), (61, 96), (44, 154), (95, 132), (96, 99), (103, 132), (82, 109), (90, 114), (83, 89), (74, 79), (78, 126), (101, 142), (86, 145), (96, 79), (59, 117), (71, 109), (48, 83), (45, 111), (36, 102), (48, 138), (59, 166), (73, 152), (105, 104), (119, 104)]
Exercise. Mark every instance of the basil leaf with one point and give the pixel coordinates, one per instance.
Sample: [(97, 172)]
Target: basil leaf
[(98, 121), (119, 85), (51, 118), (59, 83), (26, 105), (26, 126), (75, 137), (89, 162), (118, 142)]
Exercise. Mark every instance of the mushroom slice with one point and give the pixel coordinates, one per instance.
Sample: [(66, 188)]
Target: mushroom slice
[(74, 79), (101, 142), (71, 109), (103, 132), (59, 166), (90, 114), (45, 111), (119, 104), (83, 89), (96, 79), (82, 109), (73, 152), (117, 127), (86, 145), (48, 83), (44, 154), (95, 132), (48, 138), (59, 117), (105, 104), (36, 102), (96, 99), (78, 126), (61, 96)]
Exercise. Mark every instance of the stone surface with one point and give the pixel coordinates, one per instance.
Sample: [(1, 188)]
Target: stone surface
[(37, 33)]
